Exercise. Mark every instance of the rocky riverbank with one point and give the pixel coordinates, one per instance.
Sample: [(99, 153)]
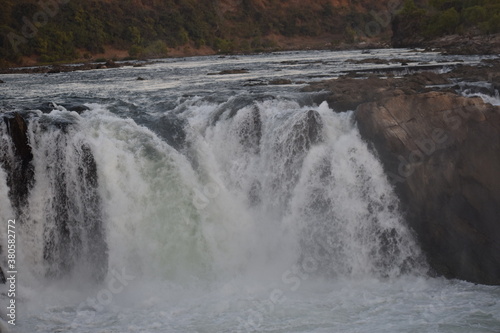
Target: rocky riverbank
[(52, 69), (441, 151)]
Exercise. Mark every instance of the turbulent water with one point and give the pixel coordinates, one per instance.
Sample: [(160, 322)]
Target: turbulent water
[(189, 202)]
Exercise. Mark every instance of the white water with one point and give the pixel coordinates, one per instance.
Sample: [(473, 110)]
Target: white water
[(201, 255), (231, 233)]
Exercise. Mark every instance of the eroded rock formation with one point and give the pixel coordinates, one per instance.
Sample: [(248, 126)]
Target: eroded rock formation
[(442, 152)]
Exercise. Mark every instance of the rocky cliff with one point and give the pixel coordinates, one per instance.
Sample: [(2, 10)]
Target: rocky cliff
[(442, 153)]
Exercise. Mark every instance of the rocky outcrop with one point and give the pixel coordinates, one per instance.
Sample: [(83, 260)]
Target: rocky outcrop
[(466, 44), (74, 230), (18, 168), (442, 151), (250, 131), (231, 72), (55, 69), (170, 128), (346, 93)]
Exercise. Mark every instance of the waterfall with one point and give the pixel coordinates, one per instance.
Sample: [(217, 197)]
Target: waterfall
[(249, 190), (58, 208)]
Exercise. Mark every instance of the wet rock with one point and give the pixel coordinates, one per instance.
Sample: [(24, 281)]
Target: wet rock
[(48, 107), (74, 231), (76, 108), (1, 81), (280, 82), (19, 169), (231, 71), (170, 128), (442, 152), (111, 64), (346, 93), (73, 237), (250, 132), (377, 61), (307, 131), (2, 276)]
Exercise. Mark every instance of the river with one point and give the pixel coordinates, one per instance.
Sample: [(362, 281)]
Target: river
[(190, 201)]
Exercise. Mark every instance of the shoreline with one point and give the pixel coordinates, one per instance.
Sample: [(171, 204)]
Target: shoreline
[(450, 44), (113, 62)]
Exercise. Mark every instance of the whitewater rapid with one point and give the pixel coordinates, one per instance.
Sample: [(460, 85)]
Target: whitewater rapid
[(231, 212)]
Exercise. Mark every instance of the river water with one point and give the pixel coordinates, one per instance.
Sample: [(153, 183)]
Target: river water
[(188, 202)]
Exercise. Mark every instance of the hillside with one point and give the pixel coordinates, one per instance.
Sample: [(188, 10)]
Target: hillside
[(47, 31), (422, 23), (50, 32)]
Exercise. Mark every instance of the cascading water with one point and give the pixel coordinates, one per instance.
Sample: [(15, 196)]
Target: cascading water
[(225, 211), (251, 192), (61, 210)]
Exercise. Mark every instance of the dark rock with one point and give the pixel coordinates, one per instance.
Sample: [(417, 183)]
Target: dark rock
[(55, 69), (230, 71), (1, 81), (170, 128), (2, 276), (346, 93), (307, 131), (369, 61), (111, 64), (20, 172), (75, 237), (250, 131), (471, 43), (442, 152), (76, 108), (280, 82), (141, 79), (74, 231), (48, 107)]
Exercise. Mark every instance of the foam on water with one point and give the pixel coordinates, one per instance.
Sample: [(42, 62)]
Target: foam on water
[(274, 217), (269, 216)]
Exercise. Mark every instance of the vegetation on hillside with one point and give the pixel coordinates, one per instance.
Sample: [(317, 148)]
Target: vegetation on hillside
[(436, 18), (62, 30)]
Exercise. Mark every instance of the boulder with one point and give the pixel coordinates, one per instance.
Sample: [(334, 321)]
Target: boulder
[(442, 152)]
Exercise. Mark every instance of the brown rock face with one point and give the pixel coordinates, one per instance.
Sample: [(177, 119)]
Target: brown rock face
[(347, 93), (442, 152)]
